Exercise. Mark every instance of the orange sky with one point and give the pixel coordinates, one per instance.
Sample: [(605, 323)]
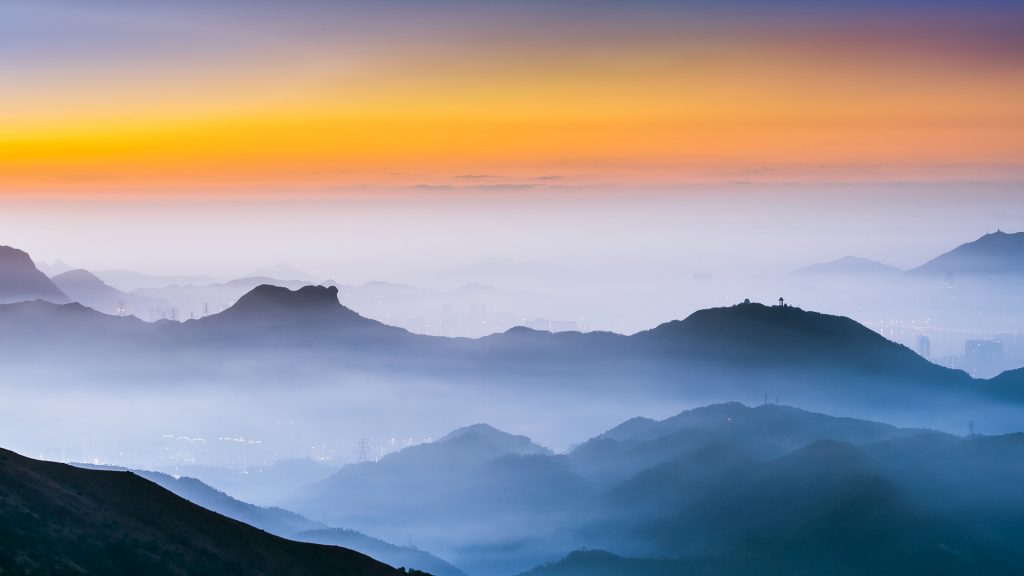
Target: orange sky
[(245, 114)]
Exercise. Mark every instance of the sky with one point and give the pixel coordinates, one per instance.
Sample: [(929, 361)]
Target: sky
[(394, 138), (314, 97)]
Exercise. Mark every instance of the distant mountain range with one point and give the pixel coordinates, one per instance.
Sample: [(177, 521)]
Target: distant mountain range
[(271, 519), (89, 290), (129, 280), (408, 556), (999, 254), (58, 519), (21, 281), (996, 254), (488, 483), (719, 490), (848, 266), (290, 525), (717, 354), (261, 485)]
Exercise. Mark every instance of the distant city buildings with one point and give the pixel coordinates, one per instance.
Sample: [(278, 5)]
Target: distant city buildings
[(983, 357), (924, 346)]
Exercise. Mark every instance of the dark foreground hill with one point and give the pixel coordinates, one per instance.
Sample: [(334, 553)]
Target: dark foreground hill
[(290, 525), (58, 519)]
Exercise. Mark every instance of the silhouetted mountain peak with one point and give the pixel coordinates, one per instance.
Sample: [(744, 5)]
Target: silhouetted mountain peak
[(477, 431), (827, 455), (848, 266), (631, 428), (267, 299), (755, 320), (993, 254), (485, 435), (12, 256), (20, 280), (776, 333), (80, 277)]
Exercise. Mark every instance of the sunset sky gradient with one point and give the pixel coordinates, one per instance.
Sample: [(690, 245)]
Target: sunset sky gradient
[(223, 98)]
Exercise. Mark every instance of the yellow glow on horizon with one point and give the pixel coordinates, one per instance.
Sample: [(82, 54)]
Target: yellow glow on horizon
[(657, 116)]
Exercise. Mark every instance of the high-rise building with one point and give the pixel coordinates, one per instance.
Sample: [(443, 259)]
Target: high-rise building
[(983, 358), (924, 346), (983, 350)]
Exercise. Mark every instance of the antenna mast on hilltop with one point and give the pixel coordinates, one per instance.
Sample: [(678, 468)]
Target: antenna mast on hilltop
[(764, 416)]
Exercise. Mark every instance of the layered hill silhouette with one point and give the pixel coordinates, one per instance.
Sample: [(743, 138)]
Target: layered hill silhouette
[(740, 351), (290, 525), (57, 519), (752, 333), (271, 519), (21, 281), (408, 556), (848, 266), (89, 290), (261, 485), (996, 254), (718, 490), (485, 483)]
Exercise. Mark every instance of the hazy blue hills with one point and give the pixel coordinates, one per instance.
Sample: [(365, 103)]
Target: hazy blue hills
[(408, 556), (713, 355), (848, 266), (718, 490), (86, 288), (764, 432), (487, 485), (471, 464), (89, 290), (996, 254), (262, 485), (20, 280), (58, 519), (271, 519), (291, 525), (41, 328), (752, 334), (130, 280), (896, 507)]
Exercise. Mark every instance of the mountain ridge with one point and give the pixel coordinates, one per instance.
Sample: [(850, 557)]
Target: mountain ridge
[(87, 521), (21, 281), (848, 265), (996, 254)]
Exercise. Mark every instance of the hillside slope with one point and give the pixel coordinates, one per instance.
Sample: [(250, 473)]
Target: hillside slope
[(58, 519)]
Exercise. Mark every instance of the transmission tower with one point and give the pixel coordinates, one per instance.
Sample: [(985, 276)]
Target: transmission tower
[(364, 450)]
